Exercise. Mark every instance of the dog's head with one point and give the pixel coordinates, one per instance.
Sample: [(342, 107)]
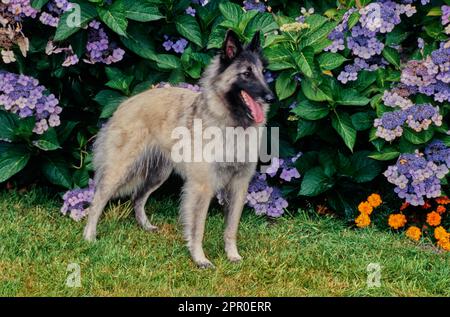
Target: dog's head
[(240, 82)]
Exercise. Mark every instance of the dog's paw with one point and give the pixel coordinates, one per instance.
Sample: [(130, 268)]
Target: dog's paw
[(205, 264), (235, 258), (89, 235), (149, 227)]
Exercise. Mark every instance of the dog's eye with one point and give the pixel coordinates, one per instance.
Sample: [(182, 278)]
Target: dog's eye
[(247, 74)]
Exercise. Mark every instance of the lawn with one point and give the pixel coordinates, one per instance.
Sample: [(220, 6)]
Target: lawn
[(299, 255)]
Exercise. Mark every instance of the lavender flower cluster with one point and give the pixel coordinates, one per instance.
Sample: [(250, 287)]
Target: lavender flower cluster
[(54, 10), (266, 199), (257, 5), (99, 48), (431, 77), (178, 46), (77, 200), (20, 8), (24, 96), (418, 175), (362, 39), (418, 117)]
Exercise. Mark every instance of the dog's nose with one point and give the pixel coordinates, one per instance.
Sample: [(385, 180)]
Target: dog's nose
[(269, 98)]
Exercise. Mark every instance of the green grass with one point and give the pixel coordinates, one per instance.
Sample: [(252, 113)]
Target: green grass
[(301, 255)]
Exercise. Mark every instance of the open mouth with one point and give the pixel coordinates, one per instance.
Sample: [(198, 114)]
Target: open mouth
[(255, 108)]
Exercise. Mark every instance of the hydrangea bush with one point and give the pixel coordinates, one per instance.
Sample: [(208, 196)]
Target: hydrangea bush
[(362, 86)]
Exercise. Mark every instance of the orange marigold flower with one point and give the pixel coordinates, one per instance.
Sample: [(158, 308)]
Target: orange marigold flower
[(413, 233), (397, 221), (374, 200), (426, 205), (404, 206), (365, 208), (440, 209), (433, 219), (444, 200), (444, 244), (440, 233), (362, 221)]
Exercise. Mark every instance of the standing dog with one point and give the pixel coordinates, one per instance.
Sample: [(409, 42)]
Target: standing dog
[(132, 153)]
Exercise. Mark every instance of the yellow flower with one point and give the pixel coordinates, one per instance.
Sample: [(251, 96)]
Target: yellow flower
[(362, 221), (444, 244), (293, 27), (434, 219), (397, 221), (365, 208), (440, 233), (374, 200), (413, 233)]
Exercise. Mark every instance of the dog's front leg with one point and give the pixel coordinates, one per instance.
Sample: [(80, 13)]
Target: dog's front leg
[(236, 192), (195, 204)]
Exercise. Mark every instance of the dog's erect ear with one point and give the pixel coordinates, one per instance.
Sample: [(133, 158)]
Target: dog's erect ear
[(255, 44), (231, 46)]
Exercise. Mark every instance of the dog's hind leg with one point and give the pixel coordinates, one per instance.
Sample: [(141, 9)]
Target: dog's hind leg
[(106, 188), (101, 198), (140, 198)]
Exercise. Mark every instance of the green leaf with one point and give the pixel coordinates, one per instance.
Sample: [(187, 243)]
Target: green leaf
[(342, 123), (386, 155), (305, 128), (56, 170), (314, 37), (188, 27), (118, 80), (362, 120), (363, 168), (392, 56), (285, 85), (216, 37), (353, 19), (312, 90), (139, 42), (13, 158), (263, 22), (38, 4), (110, 100), (68, 23), (418, 137), (315, 182), (115, 19), (310, 110), (231, 12), (330, 61), (65, 129), (48, 141), (351, 97), (141, 11), (167, 61), (305, 61), (8, 124)]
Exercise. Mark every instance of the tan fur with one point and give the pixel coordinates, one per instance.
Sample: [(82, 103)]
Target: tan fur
[(132, 157)]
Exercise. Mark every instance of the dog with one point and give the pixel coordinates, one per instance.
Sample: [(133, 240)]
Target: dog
[(132, 152)]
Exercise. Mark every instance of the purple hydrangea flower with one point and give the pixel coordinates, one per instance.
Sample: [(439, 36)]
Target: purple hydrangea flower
[(417, 176), (257, 5), (191, 11), (22, 95), (54, 10), (77, 200), (99, 48)]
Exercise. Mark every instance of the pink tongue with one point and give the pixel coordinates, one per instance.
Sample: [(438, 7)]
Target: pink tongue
[(255, 108)]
